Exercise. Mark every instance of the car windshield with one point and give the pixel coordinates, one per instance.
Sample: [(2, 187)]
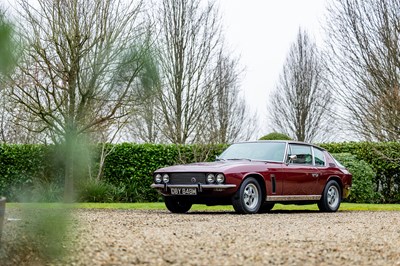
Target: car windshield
[(265, 151)]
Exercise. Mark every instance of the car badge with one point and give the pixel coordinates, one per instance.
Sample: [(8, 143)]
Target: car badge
[(193, 180)]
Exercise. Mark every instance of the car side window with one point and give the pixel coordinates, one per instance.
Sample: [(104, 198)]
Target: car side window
[(302, 152), (319, 157)]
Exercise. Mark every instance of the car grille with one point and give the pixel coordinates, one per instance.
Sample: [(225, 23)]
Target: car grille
[(187, 178)]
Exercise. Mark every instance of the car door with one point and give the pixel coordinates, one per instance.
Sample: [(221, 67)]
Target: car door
[(301, 176), (320, 163)]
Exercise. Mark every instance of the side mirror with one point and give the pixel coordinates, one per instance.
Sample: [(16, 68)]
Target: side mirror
[(291, 158)]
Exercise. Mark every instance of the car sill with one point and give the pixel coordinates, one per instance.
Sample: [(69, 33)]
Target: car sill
[(293, 198)]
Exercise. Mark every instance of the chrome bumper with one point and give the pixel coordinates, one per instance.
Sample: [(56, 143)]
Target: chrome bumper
[(200, 187)]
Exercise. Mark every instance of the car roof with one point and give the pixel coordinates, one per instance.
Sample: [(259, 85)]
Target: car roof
[(282, 141)]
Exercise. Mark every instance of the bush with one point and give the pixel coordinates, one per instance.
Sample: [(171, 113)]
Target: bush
[(21, 166), (92, 190), (275, 136), (383, 157), (362, 190)]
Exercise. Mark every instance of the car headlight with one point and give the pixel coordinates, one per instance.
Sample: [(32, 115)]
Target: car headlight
[(165, 178), (210, 178), (220, 178), (158, 178)]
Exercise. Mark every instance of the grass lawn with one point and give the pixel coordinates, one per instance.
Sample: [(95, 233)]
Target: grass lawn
[(161, 206)]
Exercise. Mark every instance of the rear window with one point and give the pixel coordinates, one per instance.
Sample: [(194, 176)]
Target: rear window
[(337, 163)]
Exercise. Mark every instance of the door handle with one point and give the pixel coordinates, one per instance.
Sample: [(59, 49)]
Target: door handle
[(315, 175)]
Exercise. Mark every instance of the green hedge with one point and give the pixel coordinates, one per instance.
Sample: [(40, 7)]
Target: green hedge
[(20, 165), (27, 169), (130, 166), (362, 189), (383, 157)]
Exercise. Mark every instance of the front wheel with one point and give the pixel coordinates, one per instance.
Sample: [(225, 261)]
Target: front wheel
[(177, 205), (331, 197), (248, 198)]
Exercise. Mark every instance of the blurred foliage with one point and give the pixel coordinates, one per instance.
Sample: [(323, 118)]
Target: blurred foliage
[(7, 45), (127, 173), (44, 232), (275, 136), (362, 189)]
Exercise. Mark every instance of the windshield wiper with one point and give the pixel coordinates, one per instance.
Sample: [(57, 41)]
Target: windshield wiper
[(219, 159), (239, 159)]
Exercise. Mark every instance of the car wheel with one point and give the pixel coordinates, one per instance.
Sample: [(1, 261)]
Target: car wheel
[(248, 198), (331, 197), (177, 205), (266, 207)]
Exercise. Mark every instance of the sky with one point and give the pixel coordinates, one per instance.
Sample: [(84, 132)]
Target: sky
[(261, 33)]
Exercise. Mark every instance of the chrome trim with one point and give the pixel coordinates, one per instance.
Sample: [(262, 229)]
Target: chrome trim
[(293, 198), (200, 186)]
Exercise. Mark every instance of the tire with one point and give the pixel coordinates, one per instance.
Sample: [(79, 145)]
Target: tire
[(248, 199), (177, 205), (331, 197), (266, 207)]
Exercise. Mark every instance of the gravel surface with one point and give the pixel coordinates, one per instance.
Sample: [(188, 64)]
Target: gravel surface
[(136, 237)]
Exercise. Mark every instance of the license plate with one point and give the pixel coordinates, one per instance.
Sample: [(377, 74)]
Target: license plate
[(183, 191)]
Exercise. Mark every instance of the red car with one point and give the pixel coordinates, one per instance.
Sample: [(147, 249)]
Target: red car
[(253, 176)]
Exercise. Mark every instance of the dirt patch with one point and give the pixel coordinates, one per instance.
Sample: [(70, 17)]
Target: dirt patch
[(115, 237)]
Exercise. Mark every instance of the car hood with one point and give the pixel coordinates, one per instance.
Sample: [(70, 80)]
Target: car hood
[(220, 166)]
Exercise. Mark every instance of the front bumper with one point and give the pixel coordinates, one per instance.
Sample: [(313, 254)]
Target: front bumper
[(199, 187)]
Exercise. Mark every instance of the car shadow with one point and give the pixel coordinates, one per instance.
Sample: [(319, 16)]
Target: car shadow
[(205, 212), (234, 213)]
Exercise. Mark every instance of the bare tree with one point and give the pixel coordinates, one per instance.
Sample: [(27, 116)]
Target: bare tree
[(188, 41), (80, 68), (227, 118), (364, 45), (300, 105)]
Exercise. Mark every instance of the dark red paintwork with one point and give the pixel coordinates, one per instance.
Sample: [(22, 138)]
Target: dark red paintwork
[(280, 181)]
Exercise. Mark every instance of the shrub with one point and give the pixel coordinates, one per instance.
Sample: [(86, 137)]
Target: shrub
[(383, 157), (275, 136), (362, 190), (92, 190)]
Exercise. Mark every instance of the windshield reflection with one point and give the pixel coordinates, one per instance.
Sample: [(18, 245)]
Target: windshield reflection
[(264, 151)]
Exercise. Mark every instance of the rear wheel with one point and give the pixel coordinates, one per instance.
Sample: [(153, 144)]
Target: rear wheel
[(331, 197), (248, 198), (177, 204)]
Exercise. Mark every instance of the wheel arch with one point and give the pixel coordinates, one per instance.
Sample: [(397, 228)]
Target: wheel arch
[(339, 181), (260, 179)]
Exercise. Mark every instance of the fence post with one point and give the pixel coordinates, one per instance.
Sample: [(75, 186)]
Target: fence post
[(2, 213)]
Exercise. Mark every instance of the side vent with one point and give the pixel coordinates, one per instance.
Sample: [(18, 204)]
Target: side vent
[(273, 180)]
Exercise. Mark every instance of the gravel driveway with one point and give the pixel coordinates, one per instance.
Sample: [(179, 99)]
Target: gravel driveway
[(136, 237)]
